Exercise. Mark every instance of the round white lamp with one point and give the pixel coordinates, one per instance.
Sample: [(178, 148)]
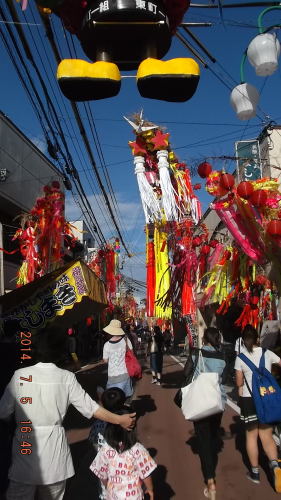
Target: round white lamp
[(244, 99), (263, 53)]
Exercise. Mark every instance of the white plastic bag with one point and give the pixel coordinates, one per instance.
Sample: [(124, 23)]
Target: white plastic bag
[(202, 397)]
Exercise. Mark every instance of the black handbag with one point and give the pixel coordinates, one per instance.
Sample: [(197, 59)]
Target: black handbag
[(188, 372)]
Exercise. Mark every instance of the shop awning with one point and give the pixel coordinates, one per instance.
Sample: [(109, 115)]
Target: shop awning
[(63, 297)]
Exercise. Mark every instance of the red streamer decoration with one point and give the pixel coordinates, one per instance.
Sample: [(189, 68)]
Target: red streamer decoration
[(150, 280)]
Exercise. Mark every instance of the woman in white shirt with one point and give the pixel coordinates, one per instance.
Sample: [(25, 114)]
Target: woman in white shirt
[(114, 352), (254, 429), (38, 396)]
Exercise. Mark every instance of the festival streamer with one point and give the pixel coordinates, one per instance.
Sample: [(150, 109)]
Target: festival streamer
[(150, 203)]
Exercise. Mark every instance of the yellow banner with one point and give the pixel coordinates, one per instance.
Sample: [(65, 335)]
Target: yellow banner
[(51, 300)]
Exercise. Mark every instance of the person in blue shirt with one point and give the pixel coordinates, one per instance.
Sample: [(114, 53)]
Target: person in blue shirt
[(207, 429)]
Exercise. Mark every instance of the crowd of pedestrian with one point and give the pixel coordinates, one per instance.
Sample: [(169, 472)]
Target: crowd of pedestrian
[(38, 397), (253, 367)]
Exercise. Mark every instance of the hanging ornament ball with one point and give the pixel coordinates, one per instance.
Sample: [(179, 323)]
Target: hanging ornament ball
[(196, 242), (258, 198), (213, 243), (274, 227), (204, 169), (245, 190), (205, 249), (227, 181), (214, 186)]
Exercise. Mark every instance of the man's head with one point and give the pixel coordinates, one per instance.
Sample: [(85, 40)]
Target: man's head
[(49, 345)]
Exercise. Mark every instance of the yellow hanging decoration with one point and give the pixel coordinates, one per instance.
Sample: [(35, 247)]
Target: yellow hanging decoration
[(162, 272)]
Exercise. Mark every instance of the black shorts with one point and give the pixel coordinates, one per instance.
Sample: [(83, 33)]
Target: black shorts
[(248, 411)]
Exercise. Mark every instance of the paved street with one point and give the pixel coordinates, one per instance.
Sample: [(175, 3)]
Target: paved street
[(170, 439)]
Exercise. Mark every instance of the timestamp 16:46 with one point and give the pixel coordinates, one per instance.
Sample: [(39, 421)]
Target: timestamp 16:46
[(26, 446)]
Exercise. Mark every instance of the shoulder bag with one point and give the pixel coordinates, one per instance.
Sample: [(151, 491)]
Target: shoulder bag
[(188, 372), (133, 367), (202, 397)]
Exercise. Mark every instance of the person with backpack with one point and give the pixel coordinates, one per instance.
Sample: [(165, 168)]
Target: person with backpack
[(260, 403)]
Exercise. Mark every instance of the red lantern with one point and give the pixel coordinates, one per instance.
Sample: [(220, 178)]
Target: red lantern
[(205, 249), (227, 181), (204, 169), (245, 190), (274, 227), (258, 198), (56, 184)]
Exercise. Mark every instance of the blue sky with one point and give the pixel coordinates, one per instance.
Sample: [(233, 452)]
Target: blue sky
[(205, 126)]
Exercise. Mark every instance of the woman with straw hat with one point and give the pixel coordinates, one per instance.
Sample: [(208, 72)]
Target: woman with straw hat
[(114, 352)]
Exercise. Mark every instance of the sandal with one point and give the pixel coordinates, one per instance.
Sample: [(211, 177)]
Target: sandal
[(210, 493)]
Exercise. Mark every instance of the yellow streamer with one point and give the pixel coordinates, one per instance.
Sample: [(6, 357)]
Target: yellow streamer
[(162, 272)]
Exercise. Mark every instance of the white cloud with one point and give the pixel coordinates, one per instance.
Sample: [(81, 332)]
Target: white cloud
[(132, 221), (131, 215)]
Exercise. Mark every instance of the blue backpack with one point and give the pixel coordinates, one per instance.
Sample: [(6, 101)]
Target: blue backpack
[(266, 391)]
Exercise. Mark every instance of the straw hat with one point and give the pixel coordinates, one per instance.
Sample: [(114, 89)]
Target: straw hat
[(114, 328)]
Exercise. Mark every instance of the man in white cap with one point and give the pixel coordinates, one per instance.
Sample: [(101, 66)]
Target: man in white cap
[(114, 352)]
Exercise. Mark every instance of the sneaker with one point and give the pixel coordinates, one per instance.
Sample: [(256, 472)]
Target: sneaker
[(254, 476), (154, 381), (159, 383), (277, 479)]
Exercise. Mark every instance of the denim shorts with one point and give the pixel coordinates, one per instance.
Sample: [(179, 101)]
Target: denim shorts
[(126, 386)]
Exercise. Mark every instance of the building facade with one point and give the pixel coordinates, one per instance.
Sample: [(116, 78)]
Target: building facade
[(24, 171)]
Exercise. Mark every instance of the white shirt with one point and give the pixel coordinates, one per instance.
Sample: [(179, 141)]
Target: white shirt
[(114, 352), (52, 391), (255, 356), (239, 346)]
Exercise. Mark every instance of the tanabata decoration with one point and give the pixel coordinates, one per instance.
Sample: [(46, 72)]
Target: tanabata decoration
[(171, 211), (164, 183), (150, 279), (247, 210), (105, 263), (124, 35), (41, 235)]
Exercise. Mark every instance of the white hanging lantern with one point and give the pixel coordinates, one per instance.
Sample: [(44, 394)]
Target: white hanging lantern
[(263, 53), (244, 99)]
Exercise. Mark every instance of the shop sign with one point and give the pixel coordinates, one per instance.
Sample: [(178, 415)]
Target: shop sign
[(249, 166)]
